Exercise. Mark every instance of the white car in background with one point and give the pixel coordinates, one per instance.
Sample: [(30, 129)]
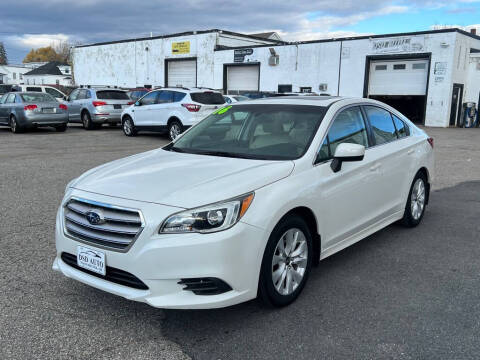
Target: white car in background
[(245, 202), (170, 110), (57, 94), (234, 98)]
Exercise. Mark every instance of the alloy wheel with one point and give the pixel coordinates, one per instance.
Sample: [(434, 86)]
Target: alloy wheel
[(175, 130), (417, 200), (13, 125), (289, 261), (127, 127)]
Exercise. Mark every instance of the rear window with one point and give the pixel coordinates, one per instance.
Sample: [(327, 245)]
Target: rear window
[(112, 95), (208, 98), (37, 97), (34, 88)]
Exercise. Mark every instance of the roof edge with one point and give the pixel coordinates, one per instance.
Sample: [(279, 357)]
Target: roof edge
[(185, 33)]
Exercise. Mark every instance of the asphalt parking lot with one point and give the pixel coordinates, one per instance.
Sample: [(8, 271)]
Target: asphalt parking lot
[(399, 294)]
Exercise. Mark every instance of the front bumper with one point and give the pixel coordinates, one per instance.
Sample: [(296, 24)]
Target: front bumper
[(161, 261)]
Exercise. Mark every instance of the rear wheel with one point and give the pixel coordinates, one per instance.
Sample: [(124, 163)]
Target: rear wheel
[(416, 202), (15, 126), (128, 126), (175, 128), (286, 262), (87, 121), (61, 128)]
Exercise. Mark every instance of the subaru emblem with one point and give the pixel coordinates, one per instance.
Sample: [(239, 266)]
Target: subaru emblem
[(95, 217)]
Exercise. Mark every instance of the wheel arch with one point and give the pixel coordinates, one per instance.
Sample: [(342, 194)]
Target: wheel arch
[(423, 170), (308, 215), (172, 119)]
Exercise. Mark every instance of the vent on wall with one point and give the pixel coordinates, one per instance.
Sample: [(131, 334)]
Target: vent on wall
[(323, 87)]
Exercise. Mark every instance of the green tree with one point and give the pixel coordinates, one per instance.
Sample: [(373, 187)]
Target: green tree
[(3, 55)]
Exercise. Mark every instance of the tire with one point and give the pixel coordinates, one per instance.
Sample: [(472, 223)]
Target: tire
[(279, 287), (128, 126), (87, 121), (15, 126), (175, 128), (61, 128), (416, 201)]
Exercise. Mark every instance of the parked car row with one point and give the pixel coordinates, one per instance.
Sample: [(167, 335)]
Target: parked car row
[(166, 110)]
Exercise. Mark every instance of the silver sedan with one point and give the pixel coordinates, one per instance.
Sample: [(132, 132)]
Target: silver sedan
[(26, 110)]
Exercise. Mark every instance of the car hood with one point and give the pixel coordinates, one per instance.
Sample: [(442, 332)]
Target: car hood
[(181, 180)]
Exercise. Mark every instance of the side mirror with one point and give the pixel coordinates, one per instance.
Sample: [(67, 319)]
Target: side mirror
[(66, 98), (137, 103), (347, 152)]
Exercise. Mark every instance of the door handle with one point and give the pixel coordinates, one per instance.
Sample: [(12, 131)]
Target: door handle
[(411, 151), (375, 167)]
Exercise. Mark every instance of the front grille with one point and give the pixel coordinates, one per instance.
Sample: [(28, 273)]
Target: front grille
[(205, 286), (112, 274), (116, 228)]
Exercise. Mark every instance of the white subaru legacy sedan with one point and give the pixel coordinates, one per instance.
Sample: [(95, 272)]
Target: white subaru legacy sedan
[(244, 203)]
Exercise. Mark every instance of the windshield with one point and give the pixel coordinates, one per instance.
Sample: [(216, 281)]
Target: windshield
[(37, 97), (255, 131)]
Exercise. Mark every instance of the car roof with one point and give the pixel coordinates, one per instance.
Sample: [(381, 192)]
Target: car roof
[(297, 100)]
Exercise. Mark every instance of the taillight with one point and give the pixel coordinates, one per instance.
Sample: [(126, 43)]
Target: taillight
[(30, 107), (192, 107), (430, 141), (63, 106), (98, 103), (131, 103)]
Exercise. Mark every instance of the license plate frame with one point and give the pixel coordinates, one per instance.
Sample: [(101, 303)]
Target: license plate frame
[(91, 260), (117, 106), (48, 110)]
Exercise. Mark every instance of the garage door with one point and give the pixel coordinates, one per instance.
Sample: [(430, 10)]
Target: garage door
[(242, 78), (182, 73), (399, 77)]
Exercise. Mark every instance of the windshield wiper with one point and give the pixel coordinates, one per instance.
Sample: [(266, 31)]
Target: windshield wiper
[(176, 149), (227, 154)]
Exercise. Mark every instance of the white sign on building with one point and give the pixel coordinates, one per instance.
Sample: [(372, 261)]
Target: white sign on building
[(398, 45)]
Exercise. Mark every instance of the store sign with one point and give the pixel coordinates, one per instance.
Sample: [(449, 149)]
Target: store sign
[(181, 47), (440, 68), (398, 45), (239, 54)]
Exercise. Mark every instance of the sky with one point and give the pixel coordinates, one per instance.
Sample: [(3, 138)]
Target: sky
[(27, 24)]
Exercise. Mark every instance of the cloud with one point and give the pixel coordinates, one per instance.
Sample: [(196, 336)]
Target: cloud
[(35, 41)]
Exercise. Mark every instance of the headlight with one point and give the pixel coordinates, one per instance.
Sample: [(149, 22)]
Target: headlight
[(210, 218)]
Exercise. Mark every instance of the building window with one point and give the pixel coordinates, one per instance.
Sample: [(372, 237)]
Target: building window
[(14, 76), (21, 76), (418, 66), (284, 88), (399, 67), (380, 67), (67, 71), (306, 89)]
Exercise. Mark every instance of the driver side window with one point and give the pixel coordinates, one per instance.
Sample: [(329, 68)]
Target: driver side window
[(348, 127)]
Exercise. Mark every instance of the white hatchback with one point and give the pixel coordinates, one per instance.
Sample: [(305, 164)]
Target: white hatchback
[(245, 202), (170, 110)]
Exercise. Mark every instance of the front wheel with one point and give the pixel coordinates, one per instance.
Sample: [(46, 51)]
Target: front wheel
[(128, 127), (286, 262), (174, 129), (416, 202)]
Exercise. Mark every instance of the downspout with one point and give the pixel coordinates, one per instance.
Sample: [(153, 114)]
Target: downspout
[(339, 67)]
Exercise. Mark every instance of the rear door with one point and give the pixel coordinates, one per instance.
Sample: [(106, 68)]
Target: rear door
[(393, 157)]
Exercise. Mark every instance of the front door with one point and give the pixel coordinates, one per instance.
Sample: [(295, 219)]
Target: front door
[(456, 107), (73, 106), (143, 111), (346, 200)]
